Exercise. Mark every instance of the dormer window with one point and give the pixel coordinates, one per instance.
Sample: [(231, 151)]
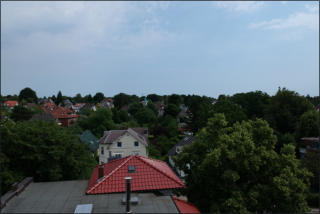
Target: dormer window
[(131, 169), (136, 143), (119, 144)]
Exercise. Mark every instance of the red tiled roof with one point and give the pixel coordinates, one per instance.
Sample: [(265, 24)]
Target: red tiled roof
[(184, 206), (58, 111), (150, 174), (11, 103)]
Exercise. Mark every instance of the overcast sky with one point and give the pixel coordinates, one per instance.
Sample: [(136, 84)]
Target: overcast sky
[(204, 48)]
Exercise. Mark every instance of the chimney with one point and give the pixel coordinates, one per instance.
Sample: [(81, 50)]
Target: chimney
[(128, 179), (101, 171)]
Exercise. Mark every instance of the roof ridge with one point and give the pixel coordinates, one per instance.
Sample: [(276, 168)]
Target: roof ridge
[(112, 172), (142, 159)]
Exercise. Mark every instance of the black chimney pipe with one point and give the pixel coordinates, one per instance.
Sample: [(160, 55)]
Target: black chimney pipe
[(128, 179), (101, 171)]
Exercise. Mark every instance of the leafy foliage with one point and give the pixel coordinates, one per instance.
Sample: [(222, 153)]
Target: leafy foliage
[(21, 113), (29, 95), (44, 151), (97, 122), (98, 97), (238, 170)]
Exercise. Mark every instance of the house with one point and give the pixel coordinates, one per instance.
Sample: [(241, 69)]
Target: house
[(187, 140), (308, 144), (77, 107), (90, 140), (150, 191), (147, 175), (90, 106), (144, 102), (10, 103), (121, 143), (68, 103), (107, 102), (65, 116), (160, 107)]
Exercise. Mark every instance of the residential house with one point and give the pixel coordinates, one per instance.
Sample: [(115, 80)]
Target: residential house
[(90, 106), (77, 107), (68, 103), (121, 143), (151, 181), (309, 144), (107, 102), (160, 107), (10, 104), (144, 102), (65, 116), (187, 140), (90, 140)]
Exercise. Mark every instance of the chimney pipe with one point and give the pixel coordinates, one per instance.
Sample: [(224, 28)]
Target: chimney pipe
[(101, 171), (128, 179)]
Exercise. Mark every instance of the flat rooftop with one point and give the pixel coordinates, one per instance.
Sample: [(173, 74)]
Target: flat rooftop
[(64, 196)]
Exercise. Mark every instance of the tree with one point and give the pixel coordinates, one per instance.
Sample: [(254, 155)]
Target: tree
[(78, 98), (98, 122), (21, 113), (285, 110), (135, 107), (59, 98), (238, 171), (175, 99), (233, 112), (145, 116), (98, 97), (44, 151), (172, 110), (120, 100), (154, 97), (308, 125), (254, 104), (29, 95)]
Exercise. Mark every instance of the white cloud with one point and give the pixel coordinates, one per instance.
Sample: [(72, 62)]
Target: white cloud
[(297, 20), (239, 6), (79, 26)]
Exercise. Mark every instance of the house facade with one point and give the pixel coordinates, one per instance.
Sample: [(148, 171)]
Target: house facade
[(187, 140), (122, 143)]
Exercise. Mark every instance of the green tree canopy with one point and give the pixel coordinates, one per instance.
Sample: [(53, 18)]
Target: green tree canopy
[(29, 95), (254, 104), (308, 125), (98, 122), (21, 113), (172, 109), (154, 97), (59, 98), (238, 170), (42, 150), (145, 116), (98, 97), (175, 99), (121, 99), (285, 110)]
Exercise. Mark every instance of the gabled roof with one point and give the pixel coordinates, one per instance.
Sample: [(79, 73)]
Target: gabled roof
[(150, 174), (184, 206), (111, 136), (11, 103), (187, 140)]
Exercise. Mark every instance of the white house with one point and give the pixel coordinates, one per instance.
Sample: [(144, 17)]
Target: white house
[(187, 140), (121, 143)]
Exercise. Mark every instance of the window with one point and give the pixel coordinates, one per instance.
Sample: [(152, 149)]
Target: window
[(102, 150), (131, 169), (119, 144), (136, 143)]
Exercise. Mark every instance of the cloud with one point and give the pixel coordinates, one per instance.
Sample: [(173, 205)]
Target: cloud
[(239, 6), (75, 26), (308, 19)]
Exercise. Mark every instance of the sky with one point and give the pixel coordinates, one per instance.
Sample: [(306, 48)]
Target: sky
[(202, 48)]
